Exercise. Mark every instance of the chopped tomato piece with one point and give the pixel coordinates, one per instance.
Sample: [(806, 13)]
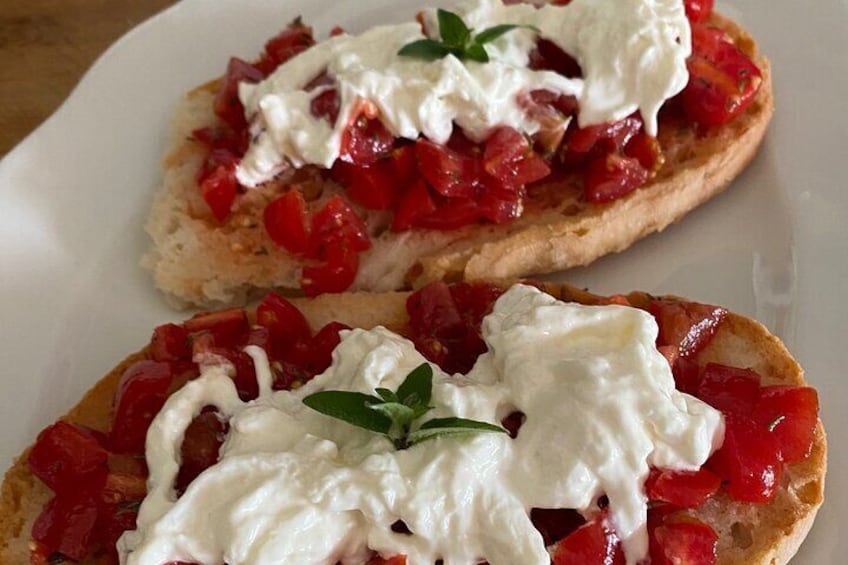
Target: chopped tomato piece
[(613, 176), (552, 112), (228, 327), (447, 171), (416, 203), (790, 414), (126, 480), (748, 461), (219, 188), (365, 141), (683, 541), (594, 543), (67, 523), (337, 225), (685, 489), (732, 390), (170, 343), (199, 451), (285, 222), (64, 453), (549, 56), (39, 554), (321, 348), (227, 105), (555, 524), (603, 138), (687, 375), (646, 149), (453, 214), (475, 300), (284, 321), (686, 325), (294, 39), (509, 158), (723, 81), (698, 10), (373, 186), (336, 274), (141, 394), (432, 310)]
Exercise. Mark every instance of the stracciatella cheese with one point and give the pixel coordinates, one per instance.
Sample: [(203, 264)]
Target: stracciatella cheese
[(295, 486), (632, 53)]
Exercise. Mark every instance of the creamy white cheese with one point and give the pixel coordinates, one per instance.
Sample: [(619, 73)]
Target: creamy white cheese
[(632, 52), (295, 486)]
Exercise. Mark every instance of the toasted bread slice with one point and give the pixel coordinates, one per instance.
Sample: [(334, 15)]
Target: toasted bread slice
[(748, 533), (196, 260)]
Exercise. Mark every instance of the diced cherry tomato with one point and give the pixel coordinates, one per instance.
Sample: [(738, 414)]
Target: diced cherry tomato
[(112, 522), (321, 348), (448, 172), (415, 203), (687, 325), (594, 543), (64, 453), (549, 56), (509, 158), (294, 39), (365, 141), (684, 489), (227, 105), (67, 523), (698, 10), (373, 187), (613, 176), (337, 225), (552, 112), (335, 274), (748, 461), (723, 81), (555, 524), (285, 222), (687, 374), (201, 444), (604, 138), (228, 327), (432, 311), (453, 214), (219, 189), (475, 300), (141, 394), (791, 414), (732, 390), (646, 149), (683, 541), (284, 321), (326, 105), (170, 343), (500, 203)]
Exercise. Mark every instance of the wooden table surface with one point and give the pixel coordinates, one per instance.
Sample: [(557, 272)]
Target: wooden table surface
[(47, 45)]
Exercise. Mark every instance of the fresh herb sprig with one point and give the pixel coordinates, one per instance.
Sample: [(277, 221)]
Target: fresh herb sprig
[(457, 40), (394, 414)]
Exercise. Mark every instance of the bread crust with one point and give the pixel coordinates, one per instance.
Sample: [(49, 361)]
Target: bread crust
[(766, 534), (197, 261)]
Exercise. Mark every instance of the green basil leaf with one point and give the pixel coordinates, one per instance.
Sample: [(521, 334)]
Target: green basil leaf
[(417, 387), (442, 427), (453, 30), (387, 395), (476, 52), (494, 32), (352, 407), (462, 423), (426, 49), (398, 413)]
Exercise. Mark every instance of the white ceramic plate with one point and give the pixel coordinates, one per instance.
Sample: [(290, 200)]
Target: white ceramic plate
[(74, 194)]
